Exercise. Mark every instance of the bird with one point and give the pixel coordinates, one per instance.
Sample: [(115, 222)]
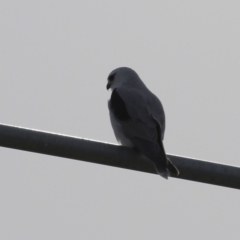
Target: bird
[(138, 118)]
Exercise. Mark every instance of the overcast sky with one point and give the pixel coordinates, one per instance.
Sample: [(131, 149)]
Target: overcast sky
[(54, 60)]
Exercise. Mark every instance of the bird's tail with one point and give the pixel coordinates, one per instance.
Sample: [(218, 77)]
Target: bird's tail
[(161, 169), (166, 170), (172, 168)]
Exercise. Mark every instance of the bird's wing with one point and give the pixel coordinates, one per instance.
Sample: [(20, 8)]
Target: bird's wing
[(144, 112), (142, 128)]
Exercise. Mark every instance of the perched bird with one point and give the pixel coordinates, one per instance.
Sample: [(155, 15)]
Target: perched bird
[(138, 118)]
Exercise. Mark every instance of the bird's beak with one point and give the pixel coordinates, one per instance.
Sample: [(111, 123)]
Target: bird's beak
[(108, 86)]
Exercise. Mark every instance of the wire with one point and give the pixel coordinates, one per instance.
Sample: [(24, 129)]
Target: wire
[(114, 155)]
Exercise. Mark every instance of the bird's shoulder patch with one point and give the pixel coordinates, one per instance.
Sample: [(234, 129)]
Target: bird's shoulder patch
[(118, 106)]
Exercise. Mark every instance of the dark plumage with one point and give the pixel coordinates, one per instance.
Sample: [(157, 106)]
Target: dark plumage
[(138, 119), (118, 106), (111, 77)]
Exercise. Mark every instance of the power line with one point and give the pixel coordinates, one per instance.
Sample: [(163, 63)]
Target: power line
[(113, 155)]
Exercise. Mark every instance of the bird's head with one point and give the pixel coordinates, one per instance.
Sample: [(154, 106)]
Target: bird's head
[(123, 76)]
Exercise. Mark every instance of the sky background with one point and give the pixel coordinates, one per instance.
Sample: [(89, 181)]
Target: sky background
[(55, 57)]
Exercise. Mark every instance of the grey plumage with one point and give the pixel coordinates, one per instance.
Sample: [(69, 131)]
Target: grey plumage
[(138, 118)]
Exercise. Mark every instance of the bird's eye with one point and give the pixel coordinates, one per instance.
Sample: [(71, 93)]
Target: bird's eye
[(111, 77)]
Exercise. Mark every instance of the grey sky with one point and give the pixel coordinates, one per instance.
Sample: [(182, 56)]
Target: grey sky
[(55, 57)]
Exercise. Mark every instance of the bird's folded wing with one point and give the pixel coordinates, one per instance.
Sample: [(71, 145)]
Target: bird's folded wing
[(141, 123), (142, 128)]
